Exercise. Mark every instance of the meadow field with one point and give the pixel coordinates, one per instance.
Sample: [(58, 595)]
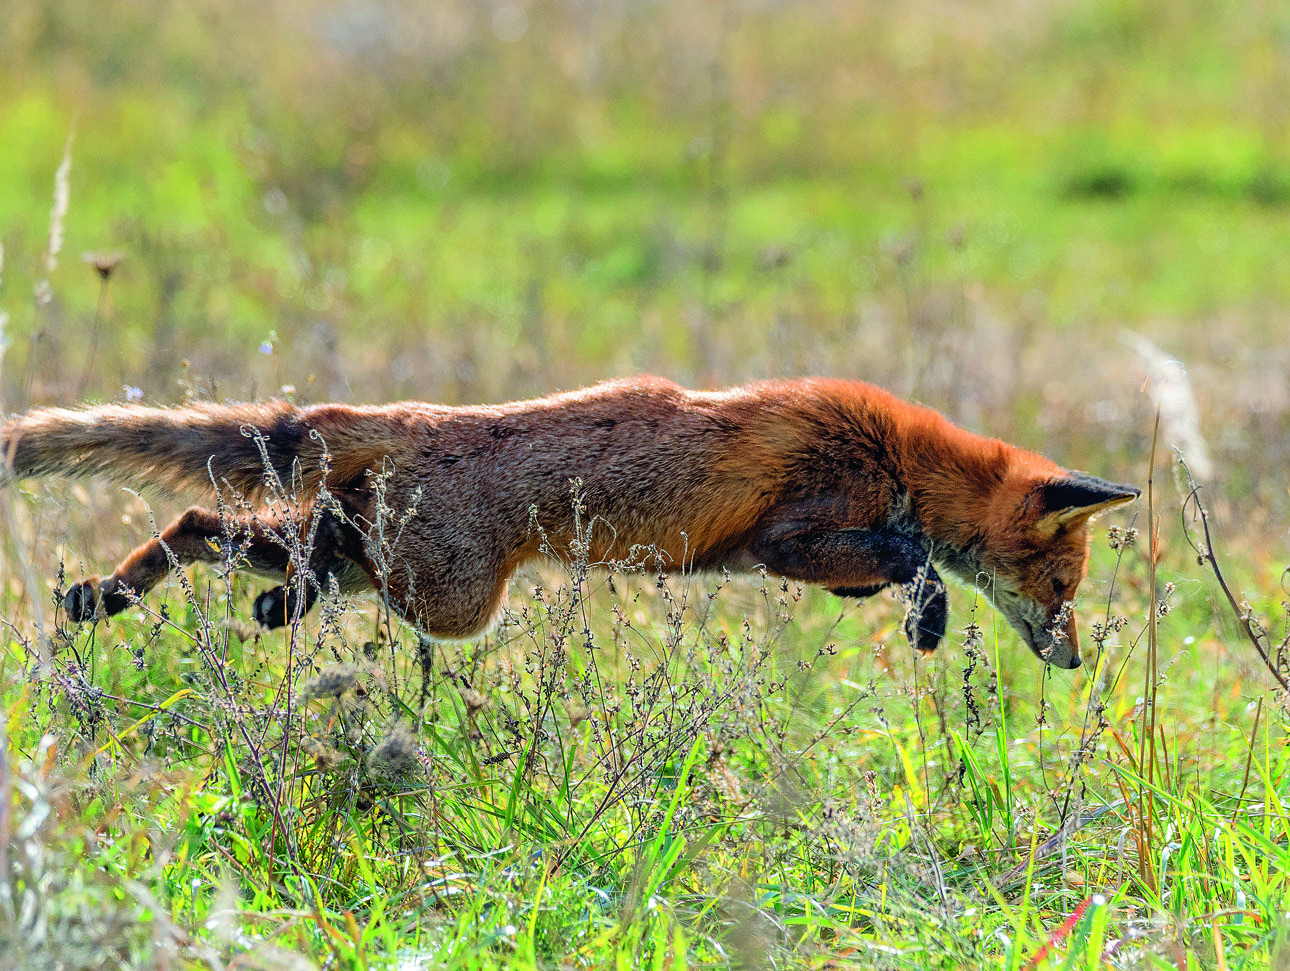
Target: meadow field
[(1063, 224)]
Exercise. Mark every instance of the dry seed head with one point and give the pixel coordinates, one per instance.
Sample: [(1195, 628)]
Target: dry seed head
[(1172, 395), (103, 263), (58, 212), (245, 630), (1120, 537), (474, 700), (395, 756), (324, 755), (330, 682)]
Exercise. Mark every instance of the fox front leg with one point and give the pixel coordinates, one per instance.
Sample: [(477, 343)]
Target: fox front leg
[(928, 606), (928, 611), (859, 563)]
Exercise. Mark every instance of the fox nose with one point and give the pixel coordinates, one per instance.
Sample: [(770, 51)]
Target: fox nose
[(1059, 655)]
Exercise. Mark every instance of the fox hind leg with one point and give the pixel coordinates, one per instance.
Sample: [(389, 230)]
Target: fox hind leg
[(337, 552), (199, 535)]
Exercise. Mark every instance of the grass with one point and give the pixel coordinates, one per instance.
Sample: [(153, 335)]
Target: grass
[(643, 770), (967, 205)]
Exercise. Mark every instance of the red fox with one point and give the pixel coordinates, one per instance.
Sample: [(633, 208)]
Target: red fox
[(822, 481)]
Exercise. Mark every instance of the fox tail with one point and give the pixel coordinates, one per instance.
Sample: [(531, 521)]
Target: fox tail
[(252, 449)]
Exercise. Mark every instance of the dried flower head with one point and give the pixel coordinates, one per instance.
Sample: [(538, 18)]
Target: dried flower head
[(396, 754), (325, 757), (103, 262), (475, 701), (1179, 413), (1120, 537), (330, 682), (243, 630)]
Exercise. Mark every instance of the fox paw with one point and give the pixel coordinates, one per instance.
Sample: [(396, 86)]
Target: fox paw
[(85, 601), (270, 608), (281, 605), (927, 616)]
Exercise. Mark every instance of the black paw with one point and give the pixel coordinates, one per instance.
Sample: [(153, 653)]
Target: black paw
[(271, 608), (81, 601), (928, 613), (84, 600)]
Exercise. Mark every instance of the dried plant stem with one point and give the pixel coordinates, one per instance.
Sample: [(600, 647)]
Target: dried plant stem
[(43, 291), (1147, 730), (5, 805), (1249, 755), (1205, 554), (95, 330), (9, 515)]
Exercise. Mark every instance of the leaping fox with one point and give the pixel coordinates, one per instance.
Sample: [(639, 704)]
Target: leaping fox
[(823, 481)]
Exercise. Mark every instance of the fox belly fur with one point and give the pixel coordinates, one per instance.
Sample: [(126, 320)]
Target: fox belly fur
[(824, 481)]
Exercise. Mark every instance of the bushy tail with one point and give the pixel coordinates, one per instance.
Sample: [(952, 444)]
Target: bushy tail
[(240, 446)]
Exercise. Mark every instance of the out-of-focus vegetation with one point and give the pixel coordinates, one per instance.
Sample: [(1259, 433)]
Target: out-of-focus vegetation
[(1015, 212), (967, 202)]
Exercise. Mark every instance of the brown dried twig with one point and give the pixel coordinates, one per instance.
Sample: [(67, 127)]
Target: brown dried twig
[(1205, 554)]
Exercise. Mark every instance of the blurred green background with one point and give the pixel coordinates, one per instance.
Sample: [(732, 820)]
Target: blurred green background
[(1017, 212), (971, 203)]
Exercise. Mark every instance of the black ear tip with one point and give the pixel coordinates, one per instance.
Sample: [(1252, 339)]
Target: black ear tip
[(1124, 490), (1079, 490)]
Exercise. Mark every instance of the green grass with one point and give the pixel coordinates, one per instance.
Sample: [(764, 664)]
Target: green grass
[(967, 204), (639, 772)]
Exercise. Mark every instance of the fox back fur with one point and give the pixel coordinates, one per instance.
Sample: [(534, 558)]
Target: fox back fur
[(824, 481)]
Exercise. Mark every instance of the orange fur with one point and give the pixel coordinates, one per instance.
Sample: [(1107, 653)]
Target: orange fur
[(825, 481)]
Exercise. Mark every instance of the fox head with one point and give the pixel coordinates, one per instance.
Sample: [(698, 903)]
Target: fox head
[(1035, 553)]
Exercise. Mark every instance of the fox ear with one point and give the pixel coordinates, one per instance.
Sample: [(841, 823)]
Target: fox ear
[(1074, 498)]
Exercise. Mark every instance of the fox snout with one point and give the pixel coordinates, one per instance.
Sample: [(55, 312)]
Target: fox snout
[(1058, 642), (1050, 632)]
